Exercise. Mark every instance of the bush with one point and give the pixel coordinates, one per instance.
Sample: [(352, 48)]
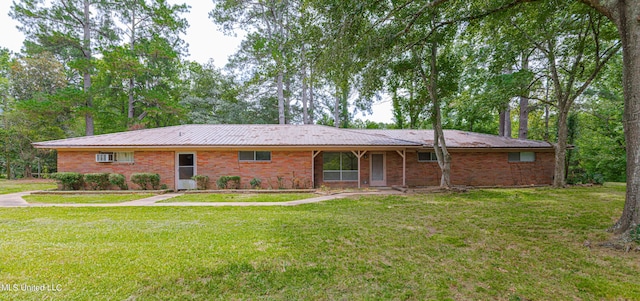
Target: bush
[(97, 181), (255, 183), (228, 182), (202, 182), (118, 180), (69, 180), (146, 181)]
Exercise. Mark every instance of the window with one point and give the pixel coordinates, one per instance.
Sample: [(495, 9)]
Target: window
[(427, 157), (339, 166), (119, 157), (123, 157), (254, 156), (522, 157)]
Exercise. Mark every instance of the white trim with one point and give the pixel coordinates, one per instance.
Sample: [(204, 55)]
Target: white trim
[(177, 167), (384, 169)]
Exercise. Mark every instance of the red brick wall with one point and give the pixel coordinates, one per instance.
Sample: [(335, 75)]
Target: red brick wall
[(494, 169), (160, 162), (467, 168), (472, 169), (291, 166)]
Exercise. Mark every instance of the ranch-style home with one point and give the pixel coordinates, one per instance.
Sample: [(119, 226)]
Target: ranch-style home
[(306, 156)]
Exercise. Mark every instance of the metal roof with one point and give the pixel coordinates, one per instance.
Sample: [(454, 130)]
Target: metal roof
[(460, 139), (231, 135), (269, 135)]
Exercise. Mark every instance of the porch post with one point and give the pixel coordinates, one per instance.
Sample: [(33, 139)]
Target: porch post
[(403, 154), (359, 154), (314, 154)]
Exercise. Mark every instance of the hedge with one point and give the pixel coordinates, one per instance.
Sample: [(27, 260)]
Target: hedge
[(146, 181), (69, 180)]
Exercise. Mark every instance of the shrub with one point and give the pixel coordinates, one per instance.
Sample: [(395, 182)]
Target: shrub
[(228, 182), (146, 181), (202, 182), (97, 181), (255, 183), (118, 180), (69, 180)]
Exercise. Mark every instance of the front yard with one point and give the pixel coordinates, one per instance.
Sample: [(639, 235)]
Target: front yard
[(12, 186), (502, 244), (240, 197), (83, 198)]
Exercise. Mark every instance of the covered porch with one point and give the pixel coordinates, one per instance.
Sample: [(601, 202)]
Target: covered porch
[(361, 168)]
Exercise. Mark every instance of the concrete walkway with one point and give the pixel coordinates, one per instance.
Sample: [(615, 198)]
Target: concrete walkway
[(16, 200)]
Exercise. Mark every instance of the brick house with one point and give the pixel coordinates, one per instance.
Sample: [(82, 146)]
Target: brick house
[(306, 156)]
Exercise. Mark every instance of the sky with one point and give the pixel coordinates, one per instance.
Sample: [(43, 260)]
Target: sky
[(205, 42)]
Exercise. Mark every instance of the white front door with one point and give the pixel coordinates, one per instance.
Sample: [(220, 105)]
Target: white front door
[(185, 169), (378, 170)]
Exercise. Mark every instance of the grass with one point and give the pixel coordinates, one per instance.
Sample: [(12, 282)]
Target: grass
[(238, 197), (13, 186), (83, 198), (497, 244)]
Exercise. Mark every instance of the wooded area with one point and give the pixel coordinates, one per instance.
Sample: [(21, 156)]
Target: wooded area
[(547, 70)]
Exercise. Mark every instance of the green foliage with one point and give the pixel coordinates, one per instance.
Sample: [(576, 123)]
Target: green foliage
[(255, 183), (118, 180), (228, 182), (202, 182), (97, 181), (635, 234), (146, 181), (69, 180)]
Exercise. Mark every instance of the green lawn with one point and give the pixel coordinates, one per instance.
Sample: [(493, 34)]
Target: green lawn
[(83, 198), (516, 244), (12, 186), (239, 197)]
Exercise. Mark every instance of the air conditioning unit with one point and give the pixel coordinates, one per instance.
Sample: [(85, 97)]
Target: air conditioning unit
[(104, 157)]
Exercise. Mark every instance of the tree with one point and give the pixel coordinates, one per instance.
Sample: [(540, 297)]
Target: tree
[(71, 29), (5, 60), (572, 45), (269, 23), (624, 14), (145, 24), (41, 109)]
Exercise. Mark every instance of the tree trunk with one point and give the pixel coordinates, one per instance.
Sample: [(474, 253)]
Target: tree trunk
[(311, 104), (336, 109), (88, 117), (6, 138), (439, 144), (305, 105), (501, 121), (505, 122), (287, 101), (130, 111), (523, 121), (560, 148), (280, 83), (440, 148), (132, 80), (628, 22)]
